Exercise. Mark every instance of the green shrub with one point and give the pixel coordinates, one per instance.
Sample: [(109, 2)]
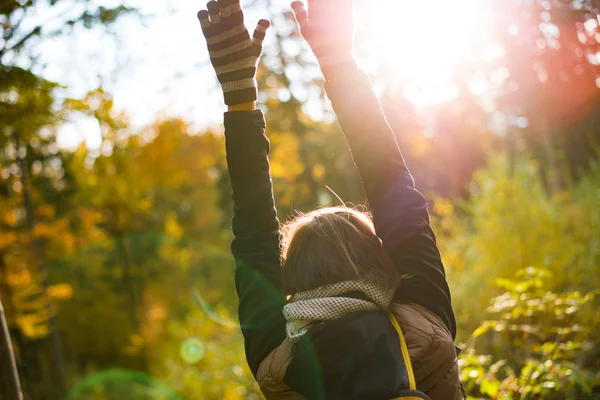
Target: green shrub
[(540, 338)]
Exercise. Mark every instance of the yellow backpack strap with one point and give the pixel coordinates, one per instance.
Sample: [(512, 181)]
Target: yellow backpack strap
[(412, 393), (405, 355)]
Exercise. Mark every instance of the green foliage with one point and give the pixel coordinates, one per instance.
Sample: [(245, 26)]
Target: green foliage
[(121, 384), (543, 338), (25, 94), (509, 221)]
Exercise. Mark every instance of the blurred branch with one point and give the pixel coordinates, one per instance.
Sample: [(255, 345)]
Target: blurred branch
[(9, 379), (35, 31), (88, 18)]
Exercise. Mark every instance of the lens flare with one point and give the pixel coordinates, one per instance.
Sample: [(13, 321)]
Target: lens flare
[(192, 350), (421, 45), (213, 314)]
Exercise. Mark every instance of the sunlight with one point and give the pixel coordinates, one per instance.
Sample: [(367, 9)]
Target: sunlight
[(423, 44)]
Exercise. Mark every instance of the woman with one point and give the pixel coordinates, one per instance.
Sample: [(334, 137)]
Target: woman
[(337, 336)]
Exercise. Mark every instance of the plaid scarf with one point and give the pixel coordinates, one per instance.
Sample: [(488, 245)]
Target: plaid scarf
[(327, 303)]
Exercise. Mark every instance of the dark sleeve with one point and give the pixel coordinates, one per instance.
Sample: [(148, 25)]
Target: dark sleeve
[(255, 246), (399, 211)]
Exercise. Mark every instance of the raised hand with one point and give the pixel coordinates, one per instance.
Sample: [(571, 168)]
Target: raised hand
[(328, 27), (233, 54)]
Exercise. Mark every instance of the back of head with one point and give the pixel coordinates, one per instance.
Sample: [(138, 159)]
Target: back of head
[(333, 245)]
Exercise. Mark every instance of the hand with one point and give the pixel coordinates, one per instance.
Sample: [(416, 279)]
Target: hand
[(232, 53), (328, 27)]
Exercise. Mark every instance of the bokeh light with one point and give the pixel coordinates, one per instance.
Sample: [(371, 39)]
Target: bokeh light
[(192, 350)]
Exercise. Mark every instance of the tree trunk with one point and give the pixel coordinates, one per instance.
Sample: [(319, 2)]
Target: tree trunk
[(38, 257), (554, 178), (134, 298)]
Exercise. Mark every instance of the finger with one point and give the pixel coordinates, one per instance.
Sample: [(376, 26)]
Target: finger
[(235, 6), (300, 13), (225, 8), (204, 21), (213, 10), (237, 16), (260, 32)]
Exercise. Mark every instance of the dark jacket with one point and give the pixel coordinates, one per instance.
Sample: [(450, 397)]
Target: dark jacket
[(328, 360), (428, 343)]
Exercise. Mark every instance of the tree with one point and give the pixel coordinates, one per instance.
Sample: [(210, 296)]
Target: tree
[(550, 50), (30, 112), (21, 31)]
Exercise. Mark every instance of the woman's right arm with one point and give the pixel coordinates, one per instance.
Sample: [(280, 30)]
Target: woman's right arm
[(399, 211)]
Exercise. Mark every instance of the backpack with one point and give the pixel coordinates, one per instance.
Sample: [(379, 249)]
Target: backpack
[(271, 373)]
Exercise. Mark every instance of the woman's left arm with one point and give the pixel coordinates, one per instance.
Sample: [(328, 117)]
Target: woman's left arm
[(255, 247), (399, 211)]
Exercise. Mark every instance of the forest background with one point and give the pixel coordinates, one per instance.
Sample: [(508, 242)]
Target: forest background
[(115, 206)]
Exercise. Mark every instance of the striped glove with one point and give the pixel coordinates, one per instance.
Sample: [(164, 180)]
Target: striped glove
[(232, 53)]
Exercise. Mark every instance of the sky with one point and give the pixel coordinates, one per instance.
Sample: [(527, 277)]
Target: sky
[(156, 69), (160, 68)]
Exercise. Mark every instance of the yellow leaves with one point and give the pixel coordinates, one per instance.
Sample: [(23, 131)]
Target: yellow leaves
[(45, 211), (145, 204), (443, 207), (156, 312), (30, 305), (88, 217), (12, 217), (135, 346), (318, 171), (172, 227), (277, 169), (43, 230), (34, 326), (234, 393), (18, 278), (57, 233), (28, 302), (285, 163), (62, 291), (272, 103), (7, 239)]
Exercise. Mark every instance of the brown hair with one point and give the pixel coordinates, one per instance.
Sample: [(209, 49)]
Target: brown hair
[(332, 245)]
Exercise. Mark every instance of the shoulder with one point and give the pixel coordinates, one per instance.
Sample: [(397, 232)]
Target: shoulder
[(429, 342), (422, 327)]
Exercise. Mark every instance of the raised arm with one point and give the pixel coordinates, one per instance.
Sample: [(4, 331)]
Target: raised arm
[(399, 211), (255, 246)]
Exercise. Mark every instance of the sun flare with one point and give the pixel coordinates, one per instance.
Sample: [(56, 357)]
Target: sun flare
[(421, 44)]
